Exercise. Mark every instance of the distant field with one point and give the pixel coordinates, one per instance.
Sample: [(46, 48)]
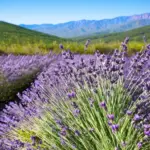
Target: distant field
[(15, 39), (18, 40), (135, 35)]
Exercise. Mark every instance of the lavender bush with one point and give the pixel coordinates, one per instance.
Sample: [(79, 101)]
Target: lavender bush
[(17, 72), (14, 67), (83, 102)]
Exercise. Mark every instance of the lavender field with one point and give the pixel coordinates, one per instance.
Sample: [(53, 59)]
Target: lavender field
[(76, 102)]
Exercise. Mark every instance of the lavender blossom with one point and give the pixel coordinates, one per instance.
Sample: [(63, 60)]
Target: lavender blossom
[(111, 116), (68, 72)]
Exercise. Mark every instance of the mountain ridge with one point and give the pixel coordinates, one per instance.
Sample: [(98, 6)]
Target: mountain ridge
[(145, 15), (86, 27)]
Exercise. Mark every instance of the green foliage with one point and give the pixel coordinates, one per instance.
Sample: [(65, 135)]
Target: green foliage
[(103, 47), (15, 39), (94, 132), (17, 35), (18, 40), (135, 35)]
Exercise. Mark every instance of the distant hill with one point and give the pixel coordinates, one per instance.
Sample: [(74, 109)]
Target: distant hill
[(135, 35), (87, 27), (13, 34)]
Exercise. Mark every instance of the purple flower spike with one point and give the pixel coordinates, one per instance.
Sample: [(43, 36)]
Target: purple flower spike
[(115, 127), (71, 95), (33, 138), (147, 132), (103, 104), (62, 141), (148, 46), (61, 46), (146, 126), (63, 131), (76, 112), (129, 112), (139, 145), (137, 117), (109, 123), (111, 116), (126, 40)]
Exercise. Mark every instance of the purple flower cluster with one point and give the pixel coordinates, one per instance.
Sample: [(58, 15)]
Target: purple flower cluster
[(70, 71), (14, 67), (147, 130), (71, 95), (103, 105), (111, 116), (115, 127)]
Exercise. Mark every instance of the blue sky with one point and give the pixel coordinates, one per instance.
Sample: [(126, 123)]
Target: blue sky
[(59, 11)]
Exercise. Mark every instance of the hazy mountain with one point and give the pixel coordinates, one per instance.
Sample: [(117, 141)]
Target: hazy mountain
[(87, 27)]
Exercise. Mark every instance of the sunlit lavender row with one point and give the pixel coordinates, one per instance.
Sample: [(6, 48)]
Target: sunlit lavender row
[(13, 67), (83, 102), (17, 72)]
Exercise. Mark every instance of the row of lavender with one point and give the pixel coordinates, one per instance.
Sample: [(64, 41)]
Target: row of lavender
[(14, 67), (110, 94), (17, 72)]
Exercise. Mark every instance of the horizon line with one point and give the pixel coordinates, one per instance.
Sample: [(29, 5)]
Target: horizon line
[(76, 20)]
